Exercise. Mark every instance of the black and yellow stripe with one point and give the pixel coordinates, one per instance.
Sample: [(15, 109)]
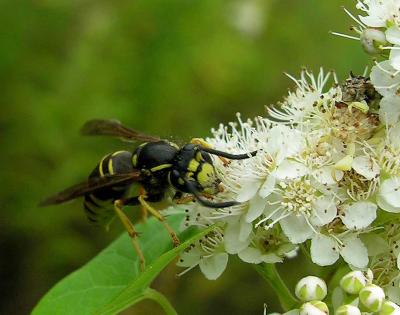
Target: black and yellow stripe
[(99, 204)]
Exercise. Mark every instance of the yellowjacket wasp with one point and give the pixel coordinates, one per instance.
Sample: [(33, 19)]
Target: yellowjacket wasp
[(156, 165)]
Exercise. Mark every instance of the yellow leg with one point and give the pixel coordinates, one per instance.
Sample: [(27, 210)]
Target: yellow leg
[(143, 209), (161, 218), (118, 204)]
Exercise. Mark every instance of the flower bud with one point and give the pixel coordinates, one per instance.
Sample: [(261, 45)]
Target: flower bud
[(371, 40), (372, 297), (353, 282), (314, 308), (348, 310), (390, 308), (311, 288)]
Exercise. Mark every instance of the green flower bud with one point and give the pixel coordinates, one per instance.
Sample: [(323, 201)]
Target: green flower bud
[(314, 308), (390, 308), (353, 282), (348, 310), (311, 288), (372, 297)]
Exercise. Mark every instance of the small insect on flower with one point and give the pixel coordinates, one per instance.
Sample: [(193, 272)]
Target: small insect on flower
[(158, 166)]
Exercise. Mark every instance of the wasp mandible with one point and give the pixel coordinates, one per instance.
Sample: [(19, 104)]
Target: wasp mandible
[(157, 165)]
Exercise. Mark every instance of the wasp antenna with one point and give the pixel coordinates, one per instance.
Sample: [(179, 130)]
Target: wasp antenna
[(192, 188), (229, 155)]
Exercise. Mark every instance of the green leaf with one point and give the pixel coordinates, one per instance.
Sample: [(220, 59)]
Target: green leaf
[(112, 280)]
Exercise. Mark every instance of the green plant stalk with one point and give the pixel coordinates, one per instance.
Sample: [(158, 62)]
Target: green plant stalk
[(271, 275), (161, 300)]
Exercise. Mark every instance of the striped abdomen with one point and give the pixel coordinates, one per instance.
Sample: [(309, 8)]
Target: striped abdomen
[(99, 204)]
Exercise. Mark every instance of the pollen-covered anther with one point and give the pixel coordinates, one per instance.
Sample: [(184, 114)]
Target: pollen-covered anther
[(350, 123), (298, 196)]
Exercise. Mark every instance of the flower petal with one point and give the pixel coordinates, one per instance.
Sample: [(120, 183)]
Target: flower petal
[(359, 215), (267, 187), (248, 189), (212, 267), (393, 294), (390, 191), (324, 175), (393, 35), (366, 167), (245, 230), (290, 169), (383, 80), (188, 259), (372, 21), (389, 110), (296, 228), (325, 211), (256, 208), (271, 258), (251, 255), (324, 250), (376, 245), (233, 243), (354, 252), (395, 57), (385, 206)]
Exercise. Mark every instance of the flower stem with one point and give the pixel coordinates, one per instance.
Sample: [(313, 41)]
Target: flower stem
[(270, 273), (161, 300)]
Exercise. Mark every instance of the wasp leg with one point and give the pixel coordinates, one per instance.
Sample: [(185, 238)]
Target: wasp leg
[(118, 204), (143, 209), (204, 144), (161, 218)]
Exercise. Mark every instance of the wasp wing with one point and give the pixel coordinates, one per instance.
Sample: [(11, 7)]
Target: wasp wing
[(90, 185), (112, 127)]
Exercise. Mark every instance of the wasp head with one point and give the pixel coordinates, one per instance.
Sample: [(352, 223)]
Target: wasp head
[(195, 166)]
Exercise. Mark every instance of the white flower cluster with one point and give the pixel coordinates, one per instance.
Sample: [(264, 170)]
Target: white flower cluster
[(378, 28), (326, 173), (356, 295)]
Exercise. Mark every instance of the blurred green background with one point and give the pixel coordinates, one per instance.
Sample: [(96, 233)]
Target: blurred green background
[(165, 67)]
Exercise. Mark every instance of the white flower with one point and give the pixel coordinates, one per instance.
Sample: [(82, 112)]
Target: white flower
[(379, 13), (267, 246), (299, 208), (208, 253), (300, 104), (325, 250)]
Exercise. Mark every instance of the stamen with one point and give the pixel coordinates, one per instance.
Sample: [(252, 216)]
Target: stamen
[(345, 36)]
